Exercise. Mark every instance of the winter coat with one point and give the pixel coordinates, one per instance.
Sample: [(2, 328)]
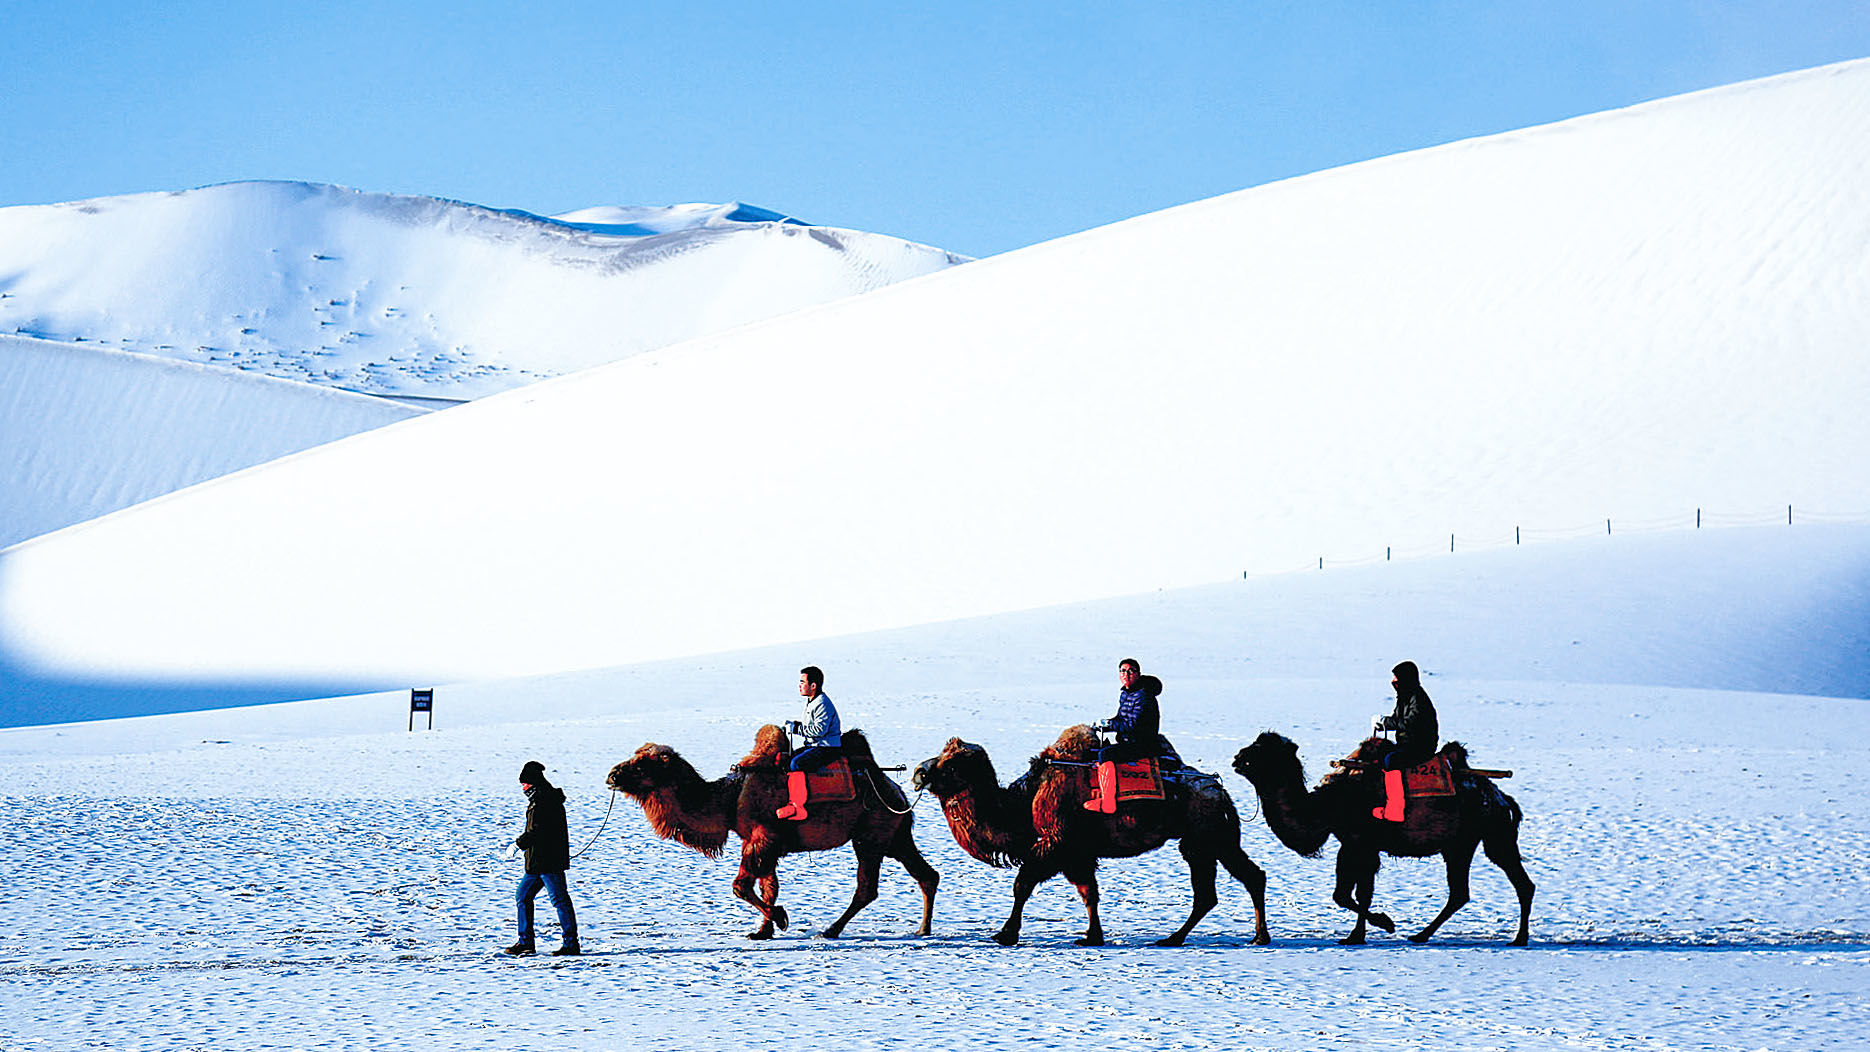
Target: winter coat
[(546, 842), (820, 727), (1138, 717), (1417, 734)]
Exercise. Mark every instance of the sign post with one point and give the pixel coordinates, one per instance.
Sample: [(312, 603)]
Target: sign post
[(422, 699)]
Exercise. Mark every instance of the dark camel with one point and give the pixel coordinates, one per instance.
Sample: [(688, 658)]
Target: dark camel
[(683, 807), (1039, 824), (1450, 826)]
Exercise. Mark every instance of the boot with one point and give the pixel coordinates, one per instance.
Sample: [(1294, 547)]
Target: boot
[(1106, 798), (1392, 809), (795, 788), (519, 949), (570, 949)]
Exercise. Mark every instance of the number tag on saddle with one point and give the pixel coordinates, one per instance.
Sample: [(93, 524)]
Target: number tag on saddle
[(1139, 780)]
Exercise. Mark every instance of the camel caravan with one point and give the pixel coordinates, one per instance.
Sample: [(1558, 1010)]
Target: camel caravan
[(1115, 789)]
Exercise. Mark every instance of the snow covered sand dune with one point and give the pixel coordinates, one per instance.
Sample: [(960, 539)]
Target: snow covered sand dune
[(1697, 851), (1626, 316), (414, 296), (86, 430)]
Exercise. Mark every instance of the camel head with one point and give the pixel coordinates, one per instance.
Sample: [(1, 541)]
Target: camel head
[(679, 804), (960, 767), (653, 767), (1271, 760)]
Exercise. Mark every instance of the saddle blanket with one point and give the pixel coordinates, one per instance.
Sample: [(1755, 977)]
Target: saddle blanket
[(1431, 778), (1139, 780), (831, 782)]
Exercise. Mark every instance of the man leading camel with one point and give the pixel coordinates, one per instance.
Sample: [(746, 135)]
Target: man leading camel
[(547, 844), (1136, 725), (822, 736)]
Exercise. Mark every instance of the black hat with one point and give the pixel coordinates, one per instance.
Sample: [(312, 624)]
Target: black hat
[(533, 773)]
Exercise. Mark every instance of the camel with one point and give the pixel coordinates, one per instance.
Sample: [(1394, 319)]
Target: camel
[(1478, 815), (683, 807), (1039, 824)]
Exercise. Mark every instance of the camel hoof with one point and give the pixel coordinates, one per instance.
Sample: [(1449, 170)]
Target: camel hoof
[(1382, 920), (1088, 941), (1006, 938), (761, 933), (1420, 937), (1351, 940), (779, 917), (1521, 941), (1172, 940), (1262, 939)]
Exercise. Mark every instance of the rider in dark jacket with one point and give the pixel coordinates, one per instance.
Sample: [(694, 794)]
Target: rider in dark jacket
[(1417, 734), (1137, 726)]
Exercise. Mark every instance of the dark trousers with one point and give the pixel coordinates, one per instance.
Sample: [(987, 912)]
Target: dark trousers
[(814, 758), (554, 883), (1399, 758), (1124, 752)]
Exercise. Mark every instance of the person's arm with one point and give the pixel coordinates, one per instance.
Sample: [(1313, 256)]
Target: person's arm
[(817, 721)]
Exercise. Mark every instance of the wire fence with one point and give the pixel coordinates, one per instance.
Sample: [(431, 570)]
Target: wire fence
[(1700, 519)]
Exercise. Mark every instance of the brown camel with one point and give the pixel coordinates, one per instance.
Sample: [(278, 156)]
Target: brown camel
[(683, 807), (1478, 815), (1039, 824)]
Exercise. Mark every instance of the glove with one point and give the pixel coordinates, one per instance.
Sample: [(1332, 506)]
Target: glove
[(794, 727), (1102, 727)]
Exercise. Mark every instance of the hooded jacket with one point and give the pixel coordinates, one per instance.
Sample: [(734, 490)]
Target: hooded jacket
[(1417, 732), (546, 842)]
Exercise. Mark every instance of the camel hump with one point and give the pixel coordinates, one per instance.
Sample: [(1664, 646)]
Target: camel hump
[(857, 748), (770, 748), (1075, 743)]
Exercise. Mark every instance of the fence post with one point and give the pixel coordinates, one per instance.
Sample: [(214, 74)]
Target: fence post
[(1788, 515), (1516, 535), (1451, 542), (1697, 518), (1606, 527)]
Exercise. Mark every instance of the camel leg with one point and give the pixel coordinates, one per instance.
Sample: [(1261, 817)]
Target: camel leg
[(1083, 876), (1201, 878), (1030, 876), (1243, 869), (904, 850), (1503, 849), (758, 868), (869, 865), (1460, 858), (1357, 881)]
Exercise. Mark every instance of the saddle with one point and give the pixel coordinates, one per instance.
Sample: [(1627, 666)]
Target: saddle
[(1138, 780), (832, 782), (1431, 777)]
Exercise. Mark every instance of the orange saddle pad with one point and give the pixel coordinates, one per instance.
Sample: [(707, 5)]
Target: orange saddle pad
[(831, 782), (1431, 778), (1139, 780)]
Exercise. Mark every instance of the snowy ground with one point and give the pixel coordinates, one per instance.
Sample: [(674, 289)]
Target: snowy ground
[(339, 878)]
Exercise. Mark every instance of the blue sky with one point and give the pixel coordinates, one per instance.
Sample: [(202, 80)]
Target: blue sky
[(978, 127)]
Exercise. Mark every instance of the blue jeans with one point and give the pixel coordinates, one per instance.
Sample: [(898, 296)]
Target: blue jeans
[(554, 883), (814, 757)]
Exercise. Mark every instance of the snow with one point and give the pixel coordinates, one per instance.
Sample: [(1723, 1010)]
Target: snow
[(1619, 319), (414, 296), (1696, 849), (87, 430), (965, 498)]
